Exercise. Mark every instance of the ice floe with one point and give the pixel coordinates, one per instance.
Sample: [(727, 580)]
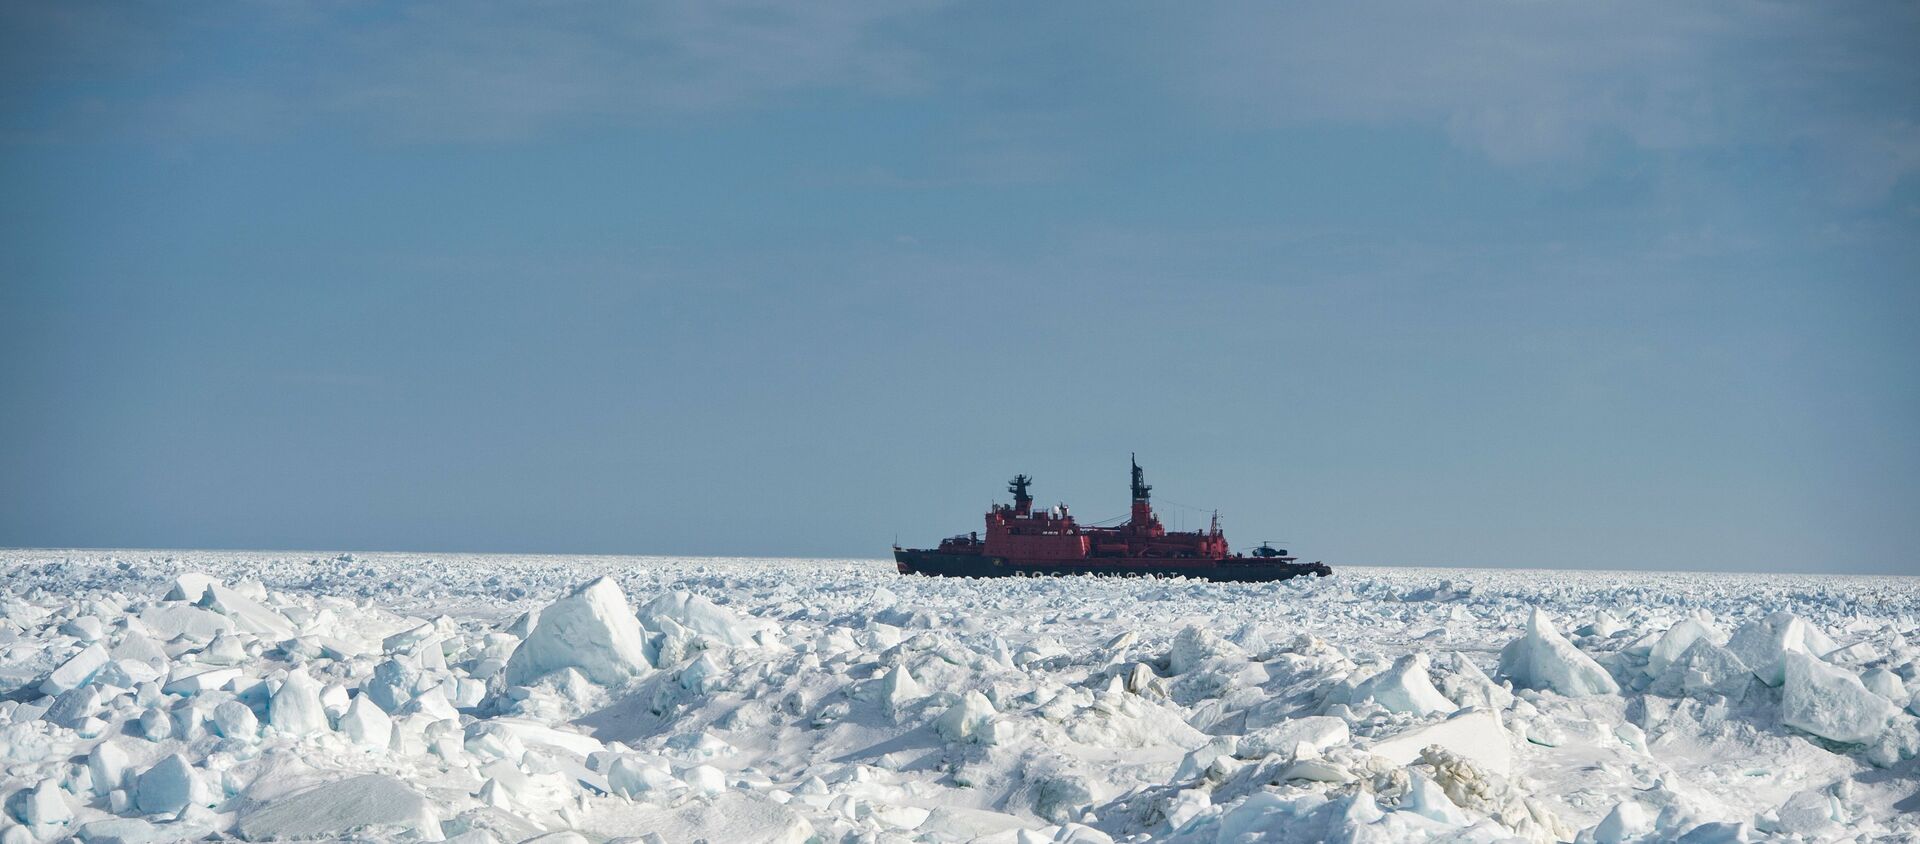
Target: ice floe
[(169, 697), (1544, 659)]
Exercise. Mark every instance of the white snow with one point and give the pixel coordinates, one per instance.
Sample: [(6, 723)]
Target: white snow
[(397, 697)]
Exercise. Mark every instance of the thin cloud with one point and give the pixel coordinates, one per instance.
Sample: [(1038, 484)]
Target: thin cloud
[(1543, 87), (1548, 84), (434, 72)]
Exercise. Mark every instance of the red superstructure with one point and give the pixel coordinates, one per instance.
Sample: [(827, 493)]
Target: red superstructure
[(1020, 540)]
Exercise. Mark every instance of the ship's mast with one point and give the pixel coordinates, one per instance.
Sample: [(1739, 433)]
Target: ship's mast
[(1022, 501), (1142, 511)]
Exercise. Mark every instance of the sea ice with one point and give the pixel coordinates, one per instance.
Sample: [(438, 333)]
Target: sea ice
[(371, 806), (1628, 820), (168, 787), (76, 671), (1886, 684), (593, 629), (1313, 733), (366, 724), (1475, 735), (1677, 640), (1195, 646), (1406, 687), (1763, 644), (194, 680), (900, 688), (168, 622), (247, 614), (190, 587), (235, 720), (296, 708), (1543, 659), (836, 700), (700, 616), (1704, 668), (109, 765), (129, 831), (46, 805), (1830, 702), (964, 720)]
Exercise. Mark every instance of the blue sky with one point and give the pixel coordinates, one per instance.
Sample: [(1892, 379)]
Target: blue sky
[(1601, 285)]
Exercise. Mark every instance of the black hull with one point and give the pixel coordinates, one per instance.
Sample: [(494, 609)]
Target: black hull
[(936, 564)]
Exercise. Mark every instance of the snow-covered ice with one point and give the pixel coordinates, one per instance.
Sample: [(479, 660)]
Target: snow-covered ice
[(166, 696), (1543, 659)]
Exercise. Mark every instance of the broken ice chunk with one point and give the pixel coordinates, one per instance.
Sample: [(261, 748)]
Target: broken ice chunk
[(1602, 625), (190, 587), (1764, 644), (46, 805), (86, 628), (900, 688), (197, 682), (632, 776), (965, 719), (1830, 702), (248, 614), (1475, 735), (1628, 820), (167, 787), (1313, 733), (235, 720), (124, 831), (373, 805), (1704, 668), (296, 708), (1406, 687), (168, 622), (1543, 659), (1194, 646), (1677, 640), (1467, 685), (366, 724), (108, 765), (701, 616), (1426, 798), (592, 629), (705, 779), (76, 671), (1885, 684), (73, 706)]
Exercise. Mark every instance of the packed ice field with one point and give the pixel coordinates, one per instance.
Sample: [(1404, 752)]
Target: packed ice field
[(165, 696)]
